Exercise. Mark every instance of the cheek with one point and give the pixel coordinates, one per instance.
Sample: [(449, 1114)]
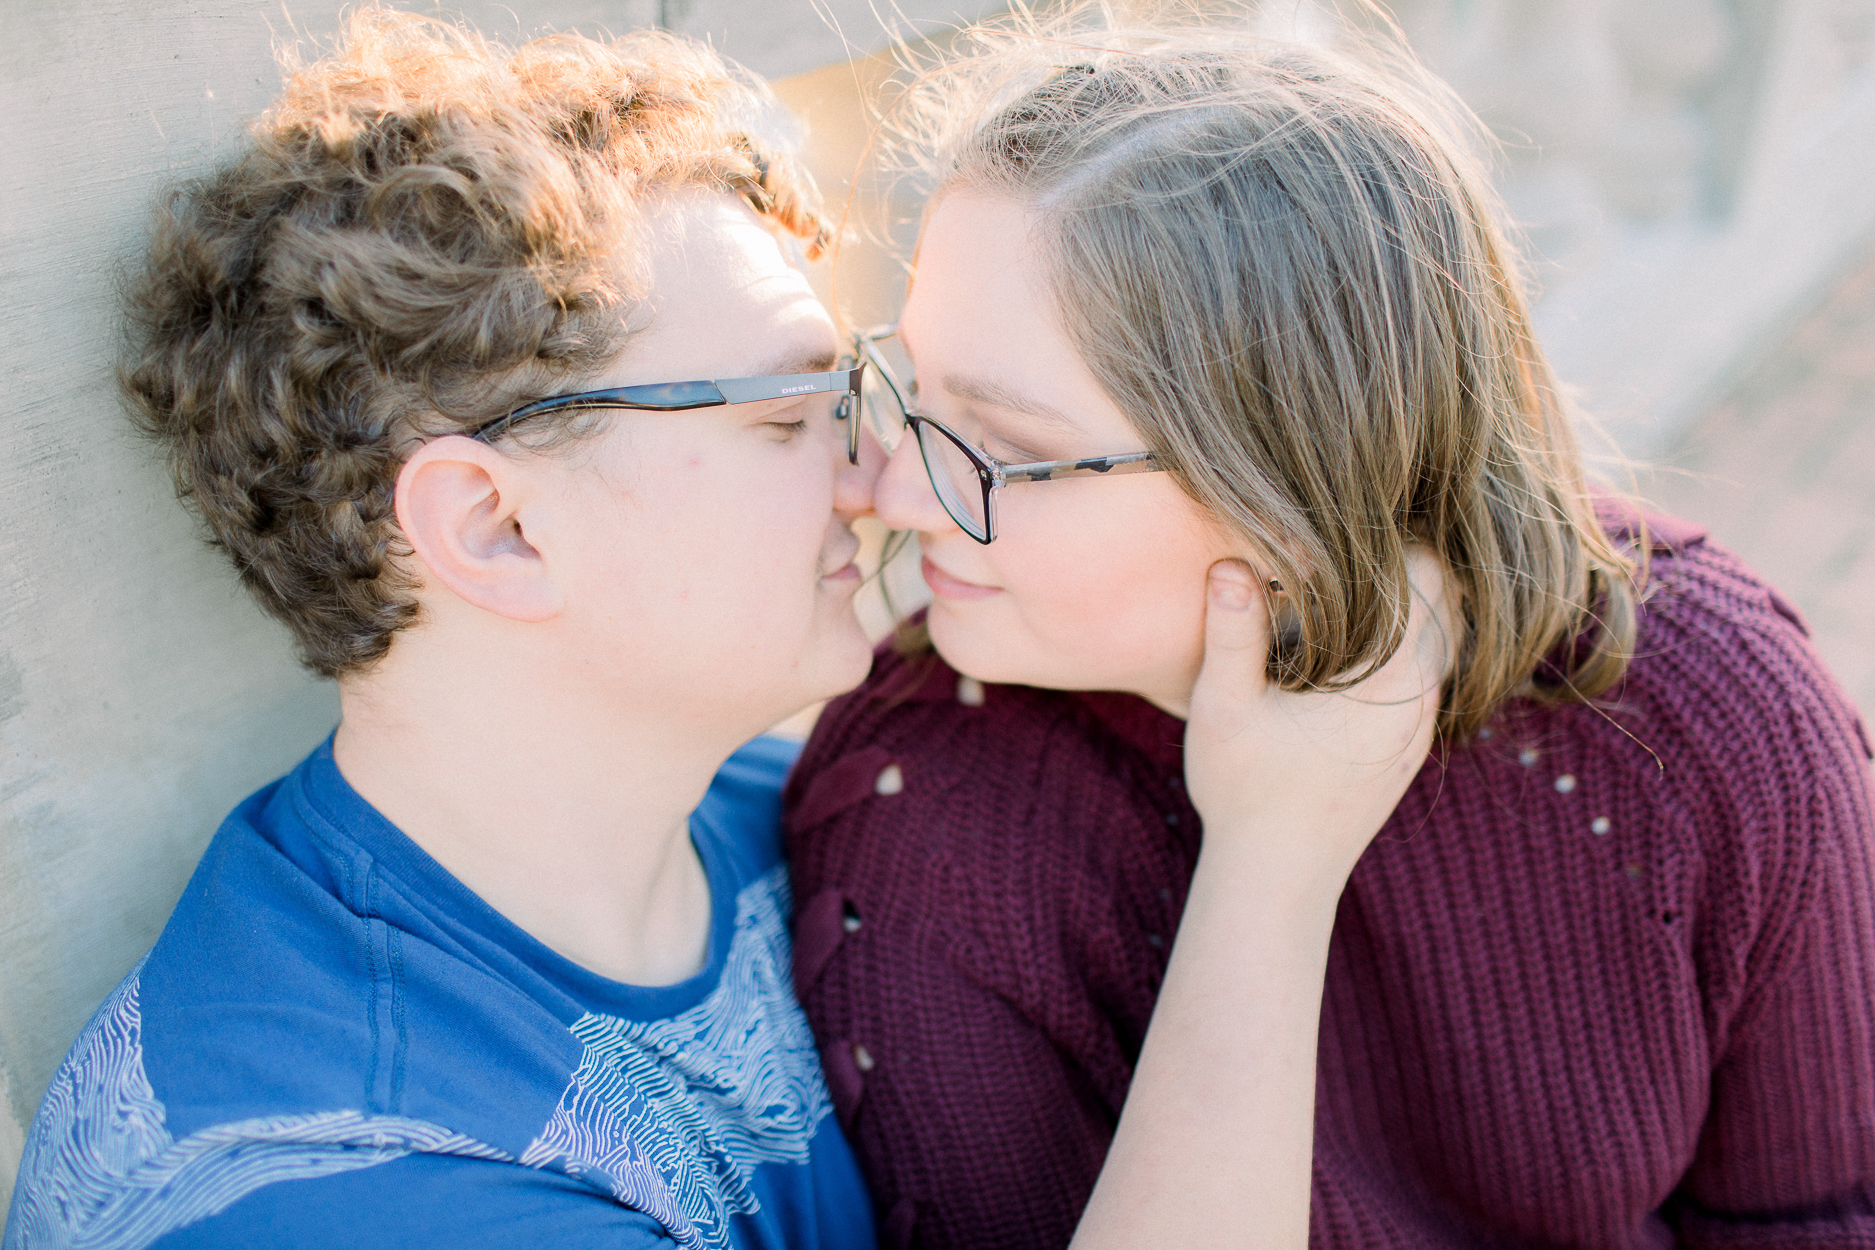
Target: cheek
[(760, 530), (719, 544), (1105, 587)]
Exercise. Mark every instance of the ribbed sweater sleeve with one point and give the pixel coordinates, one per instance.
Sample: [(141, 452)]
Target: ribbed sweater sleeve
[(1774, 772)]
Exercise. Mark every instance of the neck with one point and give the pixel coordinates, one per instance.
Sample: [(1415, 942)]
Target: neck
[(568, 816)]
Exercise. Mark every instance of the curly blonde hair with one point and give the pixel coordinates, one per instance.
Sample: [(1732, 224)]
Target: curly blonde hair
[(426, 229), (1285, 266)]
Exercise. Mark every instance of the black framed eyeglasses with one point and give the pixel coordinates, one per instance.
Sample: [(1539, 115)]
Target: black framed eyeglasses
[(841, 386), (965, 478)]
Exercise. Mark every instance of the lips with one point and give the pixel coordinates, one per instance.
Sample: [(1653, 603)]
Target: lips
[(839, 565), (945, 586)]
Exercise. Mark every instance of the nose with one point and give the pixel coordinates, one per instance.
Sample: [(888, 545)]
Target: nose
[(854, 485), (903, 498)]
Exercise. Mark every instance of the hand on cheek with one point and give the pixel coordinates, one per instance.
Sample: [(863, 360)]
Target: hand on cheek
[(1299, 780)]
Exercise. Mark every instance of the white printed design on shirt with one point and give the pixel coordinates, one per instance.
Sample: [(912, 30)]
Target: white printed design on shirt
[(101, 1171), (672, 1116)]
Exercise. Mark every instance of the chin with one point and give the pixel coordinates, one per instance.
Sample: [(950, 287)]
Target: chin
[(979, 653), (845, 659), (990, 656), (850, 672)]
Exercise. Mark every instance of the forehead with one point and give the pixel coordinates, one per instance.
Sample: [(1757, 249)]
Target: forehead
[(983, 326), (725, 299), (977, 251)]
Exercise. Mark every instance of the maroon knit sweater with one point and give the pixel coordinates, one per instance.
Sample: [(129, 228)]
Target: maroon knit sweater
[(1606, 978)]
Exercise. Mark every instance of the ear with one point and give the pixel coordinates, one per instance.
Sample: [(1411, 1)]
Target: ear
[(459, 503)]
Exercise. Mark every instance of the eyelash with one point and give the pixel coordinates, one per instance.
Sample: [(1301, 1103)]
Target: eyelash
[(1010, 454)]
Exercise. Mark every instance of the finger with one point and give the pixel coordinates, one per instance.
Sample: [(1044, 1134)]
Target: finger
[(1236, 631)]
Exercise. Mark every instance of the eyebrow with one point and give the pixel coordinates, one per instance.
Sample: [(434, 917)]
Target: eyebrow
[(985, 391), (813, 360)]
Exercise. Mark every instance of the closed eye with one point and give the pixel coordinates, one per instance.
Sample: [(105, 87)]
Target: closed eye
[(1005, 452), (786, 419), (986, 439)]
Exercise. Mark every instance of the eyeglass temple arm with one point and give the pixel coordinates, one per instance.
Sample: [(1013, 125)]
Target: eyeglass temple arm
[(679, 396), (661, 397), (783, 386), (1049, 470)]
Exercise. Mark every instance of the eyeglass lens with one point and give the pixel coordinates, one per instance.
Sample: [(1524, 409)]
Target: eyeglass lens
[(955, 478), (885, 390)]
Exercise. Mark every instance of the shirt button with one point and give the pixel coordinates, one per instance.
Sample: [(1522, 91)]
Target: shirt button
[(862, 1058), (969, 692), (1565, 783), (890, 780)]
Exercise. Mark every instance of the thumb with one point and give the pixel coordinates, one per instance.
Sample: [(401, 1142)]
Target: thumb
[(1236, 630)]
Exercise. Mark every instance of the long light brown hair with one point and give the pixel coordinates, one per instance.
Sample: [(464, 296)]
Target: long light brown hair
[(1285, 266)]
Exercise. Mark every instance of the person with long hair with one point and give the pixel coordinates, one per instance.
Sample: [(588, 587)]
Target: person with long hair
[(1605, 978)]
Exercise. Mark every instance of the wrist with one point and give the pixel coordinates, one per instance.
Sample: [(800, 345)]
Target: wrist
[(1304, 856), (1286, 883)]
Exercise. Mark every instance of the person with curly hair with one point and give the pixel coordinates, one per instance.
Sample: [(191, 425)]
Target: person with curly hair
[(505, 960)]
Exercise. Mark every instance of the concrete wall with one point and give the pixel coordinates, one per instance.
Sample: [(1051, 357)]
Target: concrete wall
[(141, 694)]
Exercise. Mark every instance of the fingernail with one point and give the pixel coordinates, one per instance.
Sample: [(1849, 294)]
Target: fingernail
[(1230, 585)]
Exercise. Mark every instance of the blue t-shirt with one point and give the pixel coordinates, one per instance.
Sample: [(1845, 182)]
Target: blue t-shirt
[(335, 1043)]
